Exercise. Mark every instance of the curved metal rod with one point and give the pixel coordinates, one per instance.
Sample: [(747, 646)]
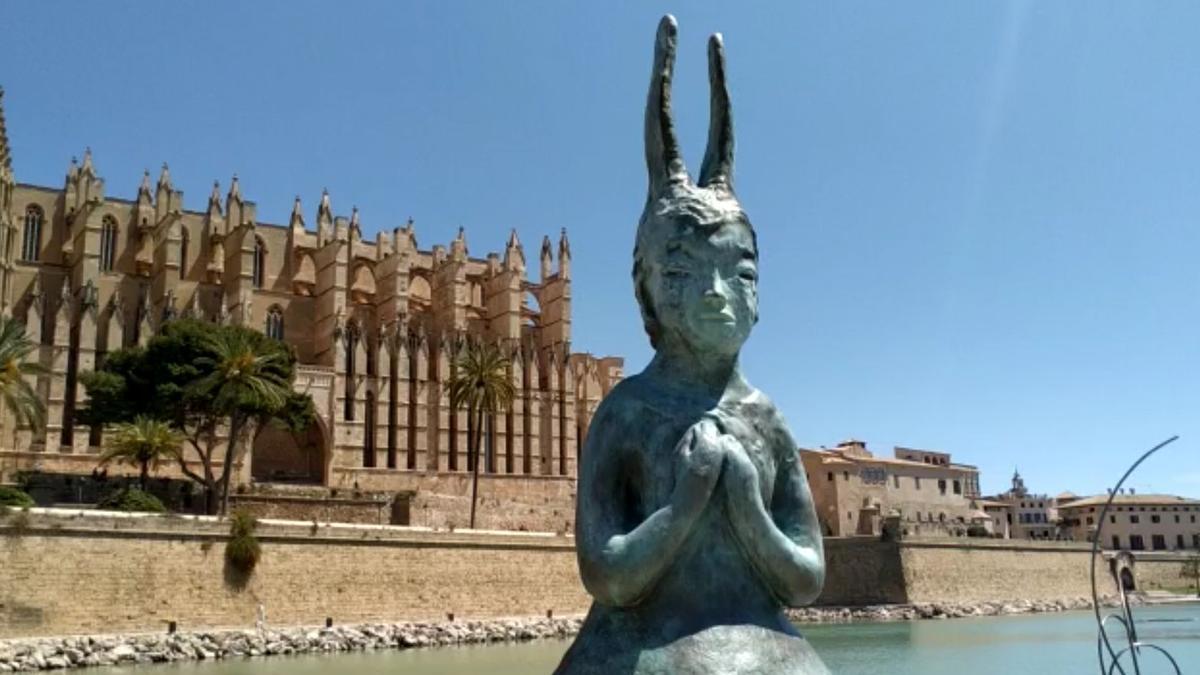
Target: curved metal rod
[(1165, 653), (1130, 634)]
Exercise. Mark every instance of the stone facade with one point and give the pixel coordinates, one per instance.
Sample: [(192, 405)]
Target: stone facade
[(376, 325), (855, 491), (1145, 522)]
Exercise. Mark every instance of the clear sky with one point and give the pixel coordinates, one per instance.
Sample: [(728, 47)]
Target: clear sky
[(979, 221)]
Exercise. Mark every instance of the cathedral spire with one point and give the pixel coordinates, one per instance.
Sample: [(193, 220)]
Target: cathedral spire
[(514, 254), (144, 188), (87, 162), (5, 151), (164, 178), (297, 219), (214, 198), (235, 190), (564, 255), (546, 258)]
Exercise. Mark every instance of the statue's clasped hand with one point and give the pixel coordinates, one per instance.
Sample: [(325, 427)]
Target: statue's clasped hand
[(706, 454)]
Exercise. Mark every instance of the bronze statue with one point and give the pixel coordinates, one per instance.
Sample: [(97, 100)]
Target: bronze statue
[(695, 524)]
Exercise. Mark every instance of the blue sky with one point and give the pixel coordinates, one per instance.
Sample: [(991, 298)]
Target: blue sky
[(979, 221)]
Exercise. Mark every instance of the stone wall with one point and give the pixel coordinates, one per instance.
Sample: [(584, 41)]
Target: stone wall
[(506, 502), (88, 574), (68, 572)]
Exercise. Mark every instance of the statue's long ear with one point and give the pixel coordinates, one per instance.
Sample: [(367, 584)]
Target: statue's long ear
[(717, 169), (663, 159)]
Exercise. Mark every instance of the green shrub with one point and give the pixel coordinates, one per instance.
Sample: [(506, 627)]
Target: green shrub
[(243, 550), (131, 499), (977, 531), (11, 496)]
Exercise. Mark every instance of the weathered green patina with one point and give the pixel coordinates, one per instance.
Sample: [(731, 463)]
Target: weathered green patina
[(695, 525)]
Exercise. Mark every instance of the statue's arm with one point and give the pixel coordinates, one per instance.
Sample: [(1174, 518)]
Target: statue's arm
[(783, 542), (621, 564)]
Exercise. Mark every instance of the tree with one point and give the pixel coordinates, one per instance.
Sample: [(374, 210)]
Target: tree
[(144, 443), (481, 381), (247, 382), (19, 397), (204, 379), (1191, 570)]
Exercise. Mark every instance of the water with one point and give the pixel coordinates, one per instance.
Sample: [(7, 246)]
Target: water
[(1043, 644)]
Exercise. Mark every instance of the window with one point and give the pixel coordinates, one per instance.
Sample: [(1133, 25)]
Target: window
[(1177, 519), (1090, 521), (260, 260), (1136, 543), (1196, 541), (1112, 519), (1159, 542), (942, 485), (108, 244), (1116, 541), (830, 475), (845, 475), (1179, 541), (1154, 519), (917, 481), (31, 246), (958, 487), (183, 252), (275, 322), (351, 348), (1134, 519), (369, 432)]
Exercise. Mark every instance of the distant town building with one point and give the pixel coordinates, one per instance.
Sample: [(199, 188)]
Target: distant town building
[(1026, 515), (1148, 522), (854, 490)]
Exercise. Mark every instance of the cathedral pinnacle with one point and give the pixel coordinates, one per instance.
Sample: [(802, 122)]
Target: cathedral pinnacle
[(564, 245), (164, 177), (235, 189), (214, 198), (5, 152), (325, 209), (144, 188), (87, 161), (297, 218)]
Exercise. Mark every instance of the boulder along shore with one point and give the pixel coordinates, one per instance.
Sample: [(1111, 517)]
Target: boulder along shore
[(57, 653)]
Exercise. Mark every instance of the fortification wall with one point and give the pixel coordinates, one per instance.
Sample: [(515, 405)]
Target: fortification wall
[(998, 571), (103, 575), (82, 572)]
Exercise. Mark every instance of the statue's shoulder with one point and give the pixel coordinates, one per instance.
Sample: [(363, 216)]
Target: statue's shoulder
[(631, 398), (773, 423)]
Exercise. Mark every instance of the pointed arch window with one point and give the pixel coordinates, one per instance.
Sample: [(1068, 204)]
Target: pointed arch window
[(108, 243), (351, 352), (260, 260), (31, 246), (184, 239), (274, 327)]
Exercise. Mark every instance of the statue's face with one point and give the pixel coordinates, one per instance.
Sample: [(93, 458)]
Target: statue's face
[(703, 284)]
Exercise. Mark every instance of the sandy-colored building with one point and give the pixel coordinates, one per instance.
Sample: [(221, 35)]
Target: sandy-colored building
[(854, 490), (376, 324), (1027, 515), (1146, 522)]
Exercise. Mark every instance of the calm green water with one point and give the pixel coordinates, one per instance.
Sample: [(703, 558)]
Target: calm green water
[(1047, 644)]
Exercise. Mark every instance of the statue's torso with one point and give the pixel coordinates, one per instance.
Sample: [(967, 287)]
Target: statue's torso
[(710, 603)]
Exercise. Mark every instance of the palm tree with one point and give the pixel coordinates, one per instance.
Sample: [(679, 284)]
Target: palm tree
[(482, 383), (144, 442), (248, 379), (19, 397)]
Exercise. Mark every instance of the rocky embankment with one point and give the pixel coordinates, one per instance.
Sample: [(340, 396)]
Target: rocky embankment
[(34, 654), (934, 610)]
